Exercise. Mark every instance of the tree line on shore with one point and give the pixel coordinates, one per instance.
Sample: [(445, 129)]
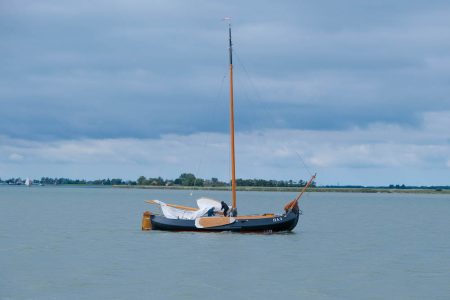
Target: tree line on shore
[(185, 179), (59, 181), (189, 179)]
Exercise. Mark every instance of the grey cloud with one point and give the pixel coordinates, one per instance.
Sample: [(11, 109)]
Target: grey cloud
[(138, 69)]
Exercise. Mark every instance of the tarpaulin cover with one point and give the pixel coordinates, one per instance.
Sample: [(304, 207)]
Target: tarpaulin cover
[(177, 213)]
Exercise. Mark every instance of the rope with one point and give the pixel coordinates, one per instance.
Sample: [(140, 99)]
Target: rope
[(303, 162), (259, 98), (202, 151)]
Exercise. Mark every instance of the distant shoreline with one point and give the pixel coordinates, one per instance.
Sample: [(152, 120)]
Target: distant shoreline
[(188, 181), (290, 189), (386, 190)]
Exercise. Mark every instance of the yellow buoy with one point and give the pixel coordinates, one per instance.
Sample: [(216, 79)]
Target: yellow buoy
[(146, 221)]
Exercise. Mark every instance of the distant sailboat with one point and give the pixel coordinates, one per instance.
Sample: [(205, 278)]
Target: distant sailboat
[(208, 215), (28, 182)]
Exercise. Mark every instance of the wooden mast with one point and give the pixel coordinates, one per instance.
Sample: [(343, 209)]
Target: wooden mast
[(233, 168)]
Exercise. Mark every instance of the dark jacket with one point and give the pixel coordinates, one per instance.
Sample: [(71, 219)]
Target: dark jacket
[(225, 208)]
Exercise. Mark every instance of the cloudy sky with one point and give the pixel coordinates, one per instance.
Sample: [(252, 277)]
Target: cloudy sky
[(360, 90)]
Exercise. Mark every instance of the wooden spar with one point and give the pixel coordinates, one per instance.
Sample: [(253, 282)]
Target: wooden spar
[(233, 168), (305, 187), (290, 205), (175, 206)]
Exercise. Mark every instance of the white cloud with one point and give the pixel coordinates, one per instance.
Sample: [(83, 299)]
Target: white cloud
[(15, 157), (267, 154)]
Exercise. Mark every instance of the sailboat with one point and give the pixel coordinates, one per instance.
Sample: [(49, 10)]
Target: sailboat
[(208, 215)]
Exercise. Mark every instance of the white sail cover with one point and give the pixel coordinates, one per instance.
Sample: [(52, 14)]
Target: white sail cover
[(208, 203), (177, 213), (204, 204)]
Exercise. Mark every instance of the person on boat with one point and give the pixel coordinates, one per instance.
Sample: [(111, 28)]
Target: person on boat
[(210, 212), (225, 208)]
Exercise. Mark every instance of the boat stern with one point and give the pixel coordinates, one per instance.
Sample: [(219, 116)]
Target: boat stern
[(147, 221)]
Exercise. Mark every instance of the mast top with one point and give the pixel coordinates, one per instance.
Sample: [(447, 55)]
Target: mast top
[(228, 19)]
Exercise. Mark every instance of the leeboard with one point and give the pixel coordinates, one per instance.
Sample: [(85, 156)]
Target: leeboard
[(208, 222)]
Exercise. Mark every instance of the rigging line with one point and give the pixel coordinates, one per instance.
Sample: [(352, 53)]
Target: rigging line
[(207, 136), (303, 162), (259, 98), (249, 77), (244, 89), (245, 94), (230, 188), (229, 183), (263, 106)]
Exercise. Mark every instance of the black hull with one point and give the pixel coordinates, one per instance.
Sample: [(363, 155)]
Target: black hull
[(286, 222)]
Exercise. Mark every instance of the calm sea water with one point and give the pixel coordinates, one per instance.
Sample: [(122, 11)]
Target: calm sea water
[(86, 243)]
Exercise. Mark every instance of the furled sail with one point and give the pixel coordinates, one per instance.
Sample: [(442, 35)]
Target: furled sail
[(208, 203), (204, 205)]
